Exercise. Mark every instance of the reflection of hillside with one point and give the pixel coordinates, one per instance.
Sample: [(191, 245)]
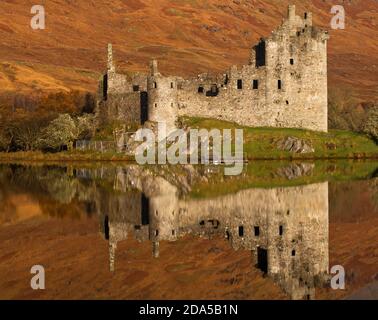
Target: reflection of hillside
[(354, 202), (286, 229), (17, 207)]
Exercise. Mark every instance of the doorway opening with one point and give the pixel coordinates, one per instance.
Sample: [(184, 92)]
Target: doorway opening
[(262, 259)]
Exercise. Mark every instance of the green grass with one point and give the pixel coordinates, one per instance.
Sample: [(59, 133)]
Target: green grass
[(106, 132), (259, 143)]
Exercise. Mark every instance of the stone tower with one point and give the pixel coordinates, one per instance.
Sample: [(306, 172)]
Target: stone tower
[(296, 74), (162, 97)]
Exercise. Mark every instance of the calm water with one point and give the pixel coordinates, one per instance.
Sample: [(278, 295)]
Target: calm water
[(273, 232)]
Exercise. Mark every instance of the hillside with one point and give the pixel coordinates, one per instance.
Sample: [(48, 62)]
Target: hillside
[(187, 36)]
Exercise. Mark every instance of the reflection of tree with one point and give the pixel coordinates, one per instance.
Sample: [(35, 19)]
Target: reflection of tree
[(50, 180), (73, 210), (7, 208), (60, 186), (26, 179), (57, 191)]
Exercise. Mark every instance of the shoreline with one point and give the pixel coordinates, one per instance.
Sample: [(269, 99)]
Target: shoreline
[(32, 156)]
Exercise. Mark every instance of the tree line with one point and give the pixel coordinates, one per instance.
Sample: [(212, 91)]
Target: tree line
[(45, 122)]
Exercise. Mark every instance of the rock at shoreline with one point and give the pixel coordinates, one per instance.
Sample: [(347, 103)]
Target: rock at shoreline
[(294, 145)]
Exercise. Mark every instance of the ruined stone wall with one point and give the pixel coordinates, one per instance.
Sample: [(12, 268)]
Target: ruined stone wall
[(123, 107), (224, 98), (284, 84), (124, 98)]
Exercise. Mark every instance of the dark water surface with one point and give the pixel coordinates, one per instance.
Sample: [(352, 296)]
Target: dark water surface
[(125, 231)]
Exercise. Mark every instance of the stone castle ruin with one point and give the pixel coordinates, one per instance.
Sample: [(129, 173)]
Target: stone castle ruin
[(283, 85)]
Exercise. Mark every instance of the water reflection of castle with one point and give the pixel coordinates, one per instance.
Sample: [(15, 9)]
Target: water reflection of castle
[(286, 229)]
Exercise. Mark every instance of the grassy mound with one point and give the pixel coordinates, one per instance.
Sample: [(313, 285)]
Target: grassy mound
[(261, 143)]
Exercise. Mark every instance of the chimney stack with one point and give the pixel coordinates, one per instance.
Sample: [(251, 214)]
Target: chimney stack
[(154, 67), (291, 12), (111, 67)]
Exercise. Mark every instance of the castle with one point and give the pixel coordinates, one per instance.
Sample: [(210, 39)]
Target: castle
[(283, 85)]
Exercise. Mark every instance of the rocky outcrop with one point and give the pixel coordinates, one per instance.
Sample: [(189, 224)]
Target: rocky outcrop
[(294, 145)]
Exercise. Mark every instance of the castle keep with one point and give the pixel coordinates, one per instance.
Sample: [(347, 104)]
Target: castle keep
[(283, 85)]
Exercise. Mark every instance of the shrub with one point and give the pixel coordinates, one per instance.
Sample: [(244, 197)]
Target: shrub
[(60, 133), (371, 125)]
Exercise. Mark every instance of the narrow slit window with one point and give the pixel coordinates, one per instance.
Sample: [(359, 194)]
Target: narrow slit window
[(281, 230), (155, 85), (241, 231), (279, 84), (172, 85), (255, 84), (240, 84), (257, 231), (292, 61)]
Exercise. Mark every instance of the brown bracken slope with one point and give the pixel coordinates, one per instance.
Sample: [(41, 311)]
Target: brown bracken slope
[(187, 36)]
